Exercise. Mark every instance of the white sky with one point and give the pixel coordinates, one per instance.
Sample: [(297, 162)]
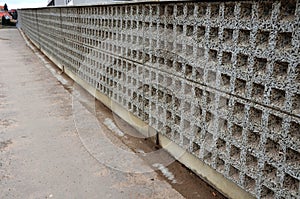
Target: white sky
[(14, 4)]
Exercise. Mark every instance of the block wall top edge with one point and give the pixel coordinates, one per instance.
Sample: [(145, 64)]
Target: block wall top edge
[(134, 3)]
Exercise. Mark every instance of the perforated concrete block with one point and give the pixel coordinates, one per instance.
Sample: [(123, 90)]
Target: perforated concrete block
[(219, 79)]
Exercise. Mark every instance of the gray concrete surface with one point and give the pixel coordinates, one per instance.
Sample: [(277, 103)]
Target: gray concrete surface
[(41, 152), (220, 79)]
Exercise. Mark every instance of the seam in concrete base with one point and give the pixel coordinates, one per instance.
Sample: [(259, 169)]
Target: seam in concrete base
[(217, 180)]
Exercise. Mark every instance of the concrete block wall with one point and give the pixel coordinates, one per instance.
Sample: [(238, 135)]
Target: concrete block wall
[(220, 79)]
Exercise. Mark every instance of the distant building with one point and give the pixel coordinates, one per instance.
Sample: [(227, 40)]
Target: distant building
[(56, 3)]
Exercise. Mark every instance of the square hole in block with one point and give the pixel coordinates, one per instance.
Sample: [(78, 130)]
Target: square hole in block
[(215, 10), (146, 88), (202, 10), (178, 85), (198, 93), (189, 30), (269, 172), (188, 89), (228, 35), (237, 132), (176, 136), (251, 161), (170, 10), (238, 110), (146, 103), (188, 71), (168, 99), (262, 39), (195, 148), (208, 117), (177, 120), (223, 126), (179, 29), (169, 28), (280, 70), (294, 131), (178, 67), (169, 63), (211, 77), (240, 87), (229, 10), (200, 33), (244, 37), (161, 10), (210, 100), (153, 91), (226, 58), (197, 111), (258, 91), (160, 95), (186, 125), (246, 10), (161, 78), (223, 104), (291, 183), (260, 66), (284, 40), (255, 116), (287, 10), (235, 152), (249, 184), (200, 54), (154, 10), (225, 81), (168, 131), (220, 164), (265, 10), (292, 156), (274, 123), (213, 55), (273, 149), (177, 103), (168, 115), (161, 28), (207, 156), (221, 145), (213, 34), (190, 10), (189, 50), (146, 58), (277, 97), (199, 72), (234, 173), (267, 193), (197, 132), (242, 62), (179, 48), (187, 107), (179, 10)]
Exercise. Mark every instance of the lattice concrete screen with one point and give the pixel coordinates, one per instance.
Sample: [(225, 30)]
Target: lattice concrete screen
[(222, 80)]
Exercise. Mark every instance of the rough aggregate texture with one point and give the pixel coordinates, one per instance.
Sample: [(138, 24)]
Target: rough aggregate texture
[(222, 80)]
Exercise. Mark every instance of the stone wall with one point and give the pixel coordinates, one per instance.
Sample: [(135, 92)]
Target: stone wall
[(222, 80)]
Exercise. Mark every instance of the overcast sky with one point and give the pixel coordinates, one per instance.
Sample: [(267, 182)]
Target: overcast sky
[(13, 4)]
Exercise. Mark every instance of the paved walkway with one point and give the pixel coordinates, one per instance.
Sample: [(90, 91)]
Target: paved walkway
[(41, 153)]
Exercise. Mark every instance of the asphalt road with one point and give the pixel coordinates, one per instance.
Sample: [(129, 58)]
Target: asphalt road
[(54, 142)]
